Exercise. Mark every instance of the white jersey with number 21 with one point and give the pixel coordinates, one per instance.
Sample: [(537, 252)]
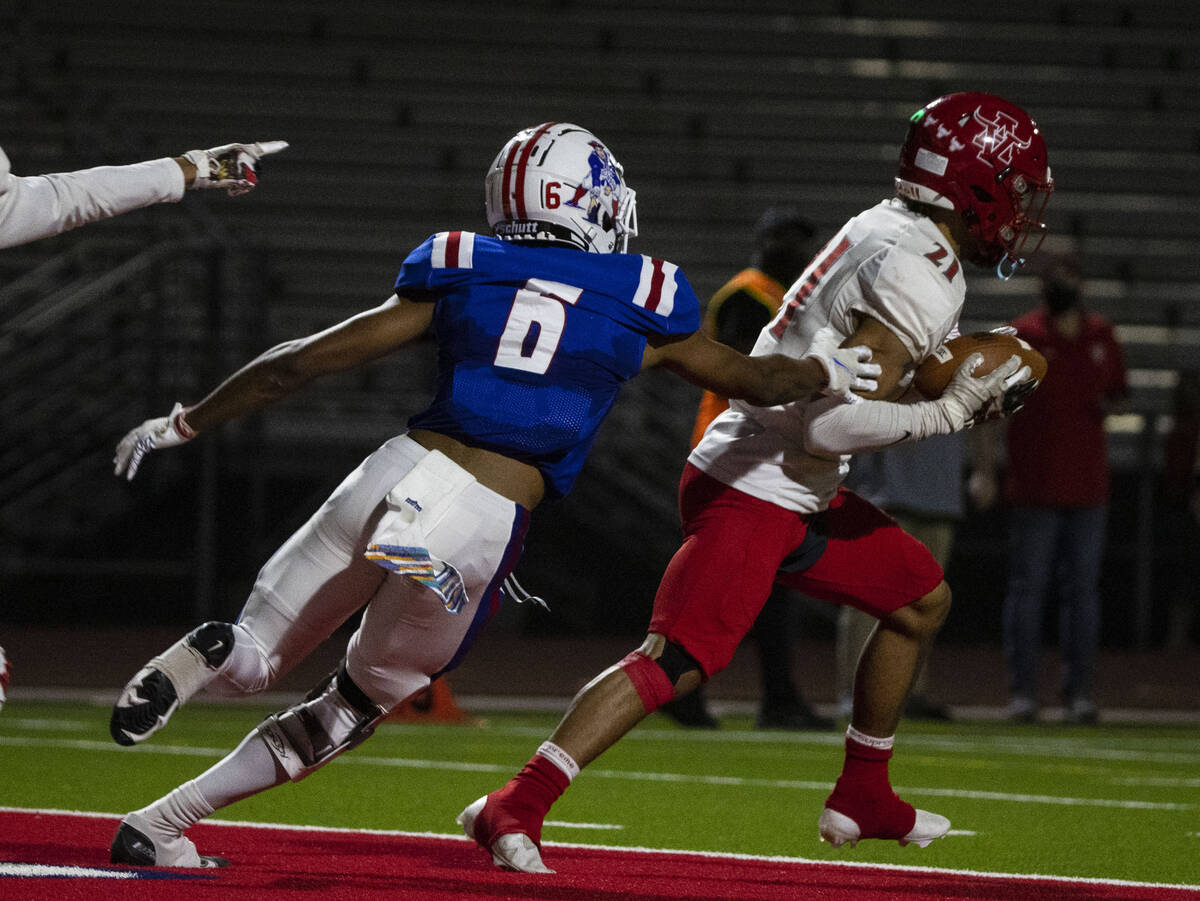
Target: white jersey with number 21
[(888, 263)]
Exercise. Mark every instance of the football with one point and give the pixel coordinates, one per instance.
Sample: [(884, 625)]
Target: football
[(936, 370)]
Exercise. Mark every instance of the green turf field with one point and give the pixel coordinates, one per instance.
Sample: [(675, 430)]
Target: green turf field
[(1113, 802)]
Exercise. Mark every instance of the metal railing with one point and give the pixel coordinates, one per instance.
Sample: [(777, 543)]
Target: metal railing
[(89, 348)]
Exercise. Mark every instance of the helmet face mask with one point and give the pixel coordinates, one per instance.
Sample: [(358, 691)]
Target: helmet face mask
[(1023, 235), (559, 184), (983, 157)]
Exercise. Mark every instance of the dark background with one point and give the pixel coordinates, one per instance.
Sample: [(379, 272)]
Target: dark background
[(394, 112)]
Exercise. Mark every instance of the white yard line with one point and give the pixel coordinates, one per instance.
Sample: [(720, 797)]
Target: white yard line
[(1161, 750), (1156, 781), (46, 725), (628, 775), (558, 704), (44, 871), (1164, 750)]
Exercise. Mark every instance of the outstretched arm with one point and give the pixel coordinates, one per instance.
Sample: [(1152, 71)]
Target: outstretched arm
[(281, 371), (40, 206), (44, 205), (766, 380)]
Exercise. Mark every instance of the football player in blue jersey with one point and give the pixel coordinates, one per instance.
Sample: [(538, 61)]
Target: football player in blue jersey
[(537, 328)]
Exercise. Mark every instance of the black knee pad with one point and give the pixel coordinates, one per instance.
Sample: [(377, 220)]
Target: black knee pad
[(300, 743), (320, 687), (213, 641), (348, 689), (675, 661)]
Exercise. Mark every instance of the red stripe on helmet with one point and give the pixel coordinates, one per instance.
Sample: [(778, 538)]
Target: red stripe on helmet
[(506, 192), (526, 151)]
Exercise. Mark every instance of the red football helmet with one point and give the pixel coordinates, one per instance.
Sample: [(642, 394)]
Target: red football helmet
[(984, 157)]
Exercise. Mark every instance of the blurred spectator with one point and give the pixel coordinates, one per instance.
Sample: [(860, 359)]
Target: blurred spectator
[(921, 486), (1057, 488), (735, 315), (1180, 508)]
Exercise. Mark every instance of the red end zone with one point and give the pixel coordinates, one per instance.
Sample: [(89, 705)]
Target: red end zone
[(57, 856)]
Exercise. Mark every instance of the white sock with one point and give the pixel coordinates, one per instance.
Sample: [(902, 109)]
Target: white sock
[(245, 670), (249, 769), (176, 811), (871, 741), (185, 667)]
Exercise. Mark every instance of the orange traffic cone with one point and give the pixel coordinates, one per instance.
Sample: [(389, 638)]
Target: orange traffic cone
[(434, 704)]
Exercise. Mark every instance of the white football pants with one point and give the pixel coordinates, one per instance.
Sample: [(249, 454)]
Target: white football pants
[(319, 578)]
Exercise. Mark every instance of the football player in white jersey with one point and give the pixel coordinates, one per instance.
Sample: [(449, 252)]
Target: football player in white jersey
[(39, 206), (761, 499), (551, 314)]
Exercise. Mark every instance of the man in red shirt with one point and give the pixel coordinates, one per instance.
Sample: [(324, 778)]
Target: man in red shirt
[(1057, 487)]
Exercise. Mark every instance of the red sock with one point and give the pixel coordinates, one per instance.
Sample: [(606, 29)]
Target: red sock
[(523, 803), (864, 793)]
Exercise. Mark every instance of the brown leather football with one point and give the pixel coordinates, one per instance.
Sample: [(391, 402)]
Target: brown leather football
[(936, 370)]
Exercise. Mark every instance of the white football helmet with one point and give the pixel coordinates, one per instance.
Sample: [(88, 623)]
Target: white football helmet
[(557, 183)]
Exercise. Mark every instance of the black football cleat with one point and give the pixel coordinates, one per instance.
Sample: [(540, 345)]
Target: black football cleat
[(143, 708), (136, 848)]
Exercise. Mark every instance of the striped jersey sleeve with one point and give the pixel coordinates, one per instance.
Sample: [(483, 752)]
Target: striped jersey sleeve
[(435, 262)]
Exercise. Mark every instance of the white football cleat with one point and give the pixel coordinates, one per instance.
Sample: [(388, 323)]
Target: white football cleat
[(512, 851), (516, 851), (838, 829)]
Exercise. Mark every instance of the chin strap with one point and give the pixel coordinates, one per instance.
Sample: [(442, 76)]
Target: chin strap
[(1008, 267)]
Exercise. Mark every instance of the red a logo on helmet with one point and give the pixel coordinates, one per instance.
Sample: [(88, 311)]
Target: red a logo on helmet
[(998, 138)]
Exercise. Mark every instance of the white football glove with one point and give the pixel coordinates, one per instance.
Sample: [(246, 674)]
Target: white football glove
[(166, 431), (1014, 397), (968, 399), (230, 166), (847, 369)]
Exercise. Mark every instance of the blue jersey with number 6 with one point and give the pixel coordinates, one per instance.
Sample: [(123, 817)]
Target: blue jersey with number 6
[(535, 342)]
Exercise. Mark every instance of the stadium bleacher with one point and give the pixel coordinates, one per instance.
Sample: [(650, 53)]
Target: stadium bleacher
[(393, 112)]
